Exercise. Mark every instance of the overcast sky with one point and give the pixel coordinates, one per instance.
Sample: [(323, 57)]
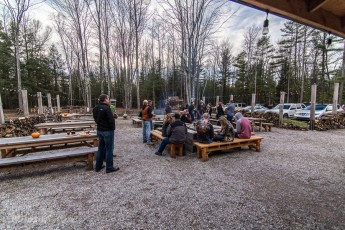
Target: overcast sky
[(234, 30)]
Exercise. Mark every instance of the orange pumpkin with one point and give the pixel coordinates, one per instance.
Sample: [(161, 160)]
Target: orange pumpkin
[(35, 135), (65, 114)]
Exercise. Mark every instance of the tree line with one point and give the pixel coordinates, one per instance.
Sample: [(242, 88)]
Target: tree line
[(132, 51)]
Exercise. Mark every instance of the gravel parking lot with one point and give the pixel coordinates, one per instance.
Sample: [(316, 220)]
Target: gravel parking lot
[(297, 181)]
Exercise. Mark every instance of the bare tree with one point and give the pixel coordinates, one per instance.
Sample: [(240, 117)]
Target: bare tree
[(194, 23), (76, 13), (17, 10)]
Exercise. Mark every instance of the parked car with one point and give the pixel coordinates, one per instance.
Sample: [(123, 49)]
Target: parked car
[(238, 106), (257, 108), (289, 109), (320, 110)]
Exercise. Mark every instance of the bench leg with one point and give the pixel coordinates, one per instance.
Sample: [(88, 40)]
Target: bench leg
[(204, 155), (90, 161), (172, 151), (258, 146), (198, 151)]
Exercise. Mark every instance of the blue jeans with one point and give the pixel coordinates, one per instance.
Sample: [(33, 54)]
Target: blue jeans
[(105, 149), (146, 131), (165, 142)]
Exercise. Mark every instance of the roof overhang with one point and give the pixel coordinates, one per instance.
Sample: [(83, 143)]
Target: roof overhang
[(326, 15)]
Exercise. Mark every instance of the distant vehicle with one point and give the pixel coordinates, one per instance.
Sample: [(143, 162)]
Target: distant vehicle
[(320, 110), (289, 109), (238, 106), (113, 101), (257, 108)]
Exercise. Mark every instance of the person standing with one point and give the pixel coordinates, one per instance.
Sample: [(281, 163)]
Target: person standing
[(168, 108), (105, 121), (243, 127), (230, 111), (220, 111), (191, 110), (146, 113)]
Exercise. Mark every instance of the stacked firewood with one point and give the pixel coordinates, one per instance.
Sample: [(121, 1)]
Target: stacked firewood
[(336, 121), (20, 127)]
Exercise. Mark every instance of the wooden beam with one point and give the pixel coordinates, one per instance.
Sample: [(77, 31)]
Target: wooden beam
[(299, 12), (314, 5)]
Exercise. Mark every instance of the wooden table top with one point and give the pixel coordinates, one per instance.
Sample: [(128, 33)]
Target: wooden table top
[(50, 139)]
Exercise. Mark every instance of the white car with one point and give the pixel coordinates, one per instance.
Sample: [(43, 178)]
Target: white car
[(320, 110), (289, 109), (257, 108)]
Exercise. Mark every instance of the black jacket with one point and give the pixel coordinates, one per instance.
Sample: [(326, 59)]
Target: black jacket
[(104, 118), (177, 132)]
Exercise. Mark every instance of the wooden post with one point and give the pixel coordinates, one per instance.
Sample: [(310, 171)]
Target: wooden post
[(40, 105), (335, 98), (312, 106), (49, 96), (281, 107), (58, 103), (231, 97), (217, 100), (25, 102), (2, 118), (253, 101)]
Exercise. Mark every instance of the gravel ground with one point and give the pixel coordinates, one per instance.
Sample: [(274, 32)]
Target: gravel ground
[(297, 181)]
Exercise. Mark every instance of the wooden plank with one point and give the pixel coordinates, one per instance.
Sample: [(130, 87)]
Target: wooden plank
[(332, 21)]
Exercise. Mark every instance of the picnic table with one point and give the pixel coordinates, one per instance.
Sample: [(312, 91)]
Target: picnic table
[(49, 126), (9, 147), (256, 121)]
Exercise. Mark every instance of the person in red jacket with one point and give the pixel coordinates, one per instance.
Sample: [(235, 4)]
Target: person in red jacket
[(243, 127)]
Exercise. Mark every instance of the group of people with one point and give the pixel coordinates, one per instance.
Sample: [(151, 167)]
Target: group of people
[(174, 128)]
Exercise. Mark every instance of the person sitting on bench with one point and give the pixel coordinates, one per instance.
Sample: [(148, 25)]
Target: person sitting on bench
[(226, 132), (243, 127), (167, 121), (185, 116), (176, 134), (204, 129)]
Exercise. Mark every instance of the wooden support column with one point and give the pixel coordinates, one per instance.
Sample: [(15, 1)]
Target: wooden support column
[(281, 107), (40, 105), (58, 103), (2, 118), (25, 102), (312, 106), (253, 101), (50, 107), (335, 97)]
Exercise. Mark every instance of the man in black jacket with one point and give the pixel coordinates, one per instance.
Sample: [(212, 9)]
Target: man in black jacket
[(176, 134), (104, 118)]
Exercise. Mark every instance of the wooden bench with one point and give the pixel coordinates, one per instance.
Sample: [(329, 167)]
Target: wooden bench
[(80, 154), (137, 121), (266, 126), (204, 149), (65, 129), (157, 135)]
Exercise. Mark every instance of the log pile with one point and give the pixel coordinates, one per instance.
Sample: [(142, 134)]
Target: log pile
[(20, 127), (331, 121)]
